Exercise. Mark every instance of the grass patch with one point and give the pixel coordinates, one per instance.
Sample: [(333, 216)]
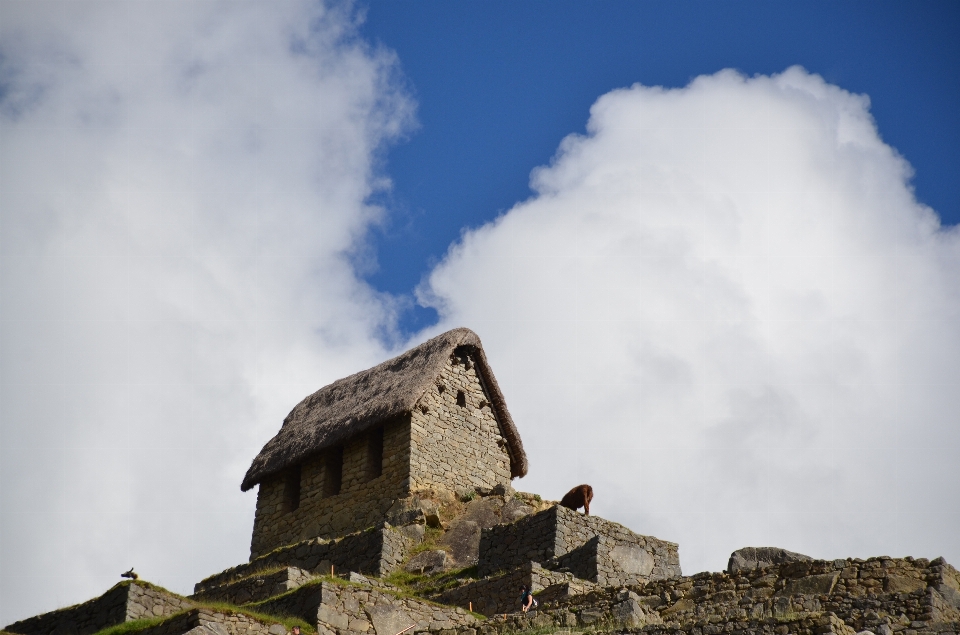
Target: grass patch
[(132, 627), (426, 585)]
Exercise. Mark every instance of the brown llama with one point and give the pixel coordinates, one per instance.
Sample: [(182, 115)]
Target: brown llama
[(579, 496)]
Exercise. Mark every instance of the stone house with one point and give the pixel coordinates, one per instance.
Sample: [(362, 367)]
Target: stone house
[(432, 418)]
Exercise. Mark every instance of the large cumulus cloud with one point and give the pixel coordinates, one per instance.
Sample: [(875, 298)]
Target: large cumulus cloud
[(724, 308), (182, 194)]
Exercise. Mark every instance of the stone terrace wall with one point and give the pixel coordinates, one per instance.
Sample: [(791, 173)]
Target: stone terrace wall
[(454, 446), (347, 609), (865, 594), (256, 587), (361, 503), (501, 594), (506, 547), (375, 552), (125, 602), (203, 619), (590, 547), (615, 620)]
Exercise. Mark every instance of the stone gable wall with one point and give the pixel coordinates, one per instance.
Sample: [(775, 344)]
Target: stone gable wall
[(123, 603), (375, 552), (454, 446), (590, 547), (361, 503)]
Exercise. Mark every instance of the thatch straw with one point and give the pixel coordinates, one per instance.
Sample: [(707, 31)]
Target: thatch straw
[(354, 404)]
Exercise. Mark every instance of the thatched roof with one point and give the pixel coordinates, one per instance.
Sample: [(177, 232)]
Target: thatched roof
[(354, 404)]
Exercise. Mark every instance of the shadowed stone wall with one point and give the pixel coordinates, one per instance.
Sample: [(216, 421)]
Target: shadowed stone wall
[(590, 547), (375, 552), (501, 594), (361, 503)]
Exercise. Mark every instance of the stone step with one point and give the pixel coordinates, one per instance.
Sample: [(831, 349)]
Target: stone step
[(124, 602), (256, 587)]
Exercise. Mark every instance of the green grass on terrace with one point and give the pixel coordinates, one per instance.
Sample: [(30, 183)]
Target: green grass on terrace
[(136, 626)]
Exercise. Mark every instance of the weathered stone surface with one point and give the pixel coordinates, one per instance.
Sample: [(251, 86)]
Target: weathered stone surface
[(633, 559), (485, 512), (513, 510), (427, 562), (389, 620), (414, 533), (903, 584), (812, 584), (759, 557), (628, 612), (463, 540)]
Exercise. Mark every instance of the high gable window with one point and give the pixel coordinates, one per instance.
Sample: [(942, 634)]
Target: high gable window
[(291, 489), (375, 454), (333, 472), (461, 399)]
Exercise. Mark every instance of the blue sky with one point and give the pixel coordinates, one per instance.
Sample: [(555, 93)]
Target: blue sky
[(499, 84)]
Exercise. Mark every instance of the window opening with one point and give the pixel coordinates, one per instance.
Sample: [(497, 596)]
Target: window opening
[(333, 478), (461, 399), (375, 454), (291, 489)]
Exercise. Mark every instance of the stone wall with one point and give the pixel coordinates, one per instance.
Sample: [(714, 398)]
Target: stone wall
[(362, 502), (501, 594), (349, 609), (619, 619), (204, 621), (256, 587), (456, 442), (864, 593), (377, 551), (124, 602), (590, 547)]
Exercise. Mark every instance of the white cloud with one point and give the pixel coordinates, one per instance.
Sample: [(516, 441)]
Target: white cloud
[(725, 309), (182, 193)]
